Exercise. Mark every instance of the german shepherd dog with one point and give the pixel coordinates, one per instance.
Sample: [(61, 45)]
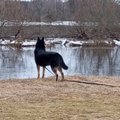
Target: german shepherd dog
[(44, 58)]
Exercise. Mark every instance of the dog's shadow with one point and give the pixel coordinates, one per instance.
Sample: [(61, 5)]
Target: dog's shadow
[(90, 83)]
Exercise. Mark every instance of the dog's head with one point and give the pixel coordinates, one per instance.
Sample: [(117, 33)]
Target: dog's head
[(40, 43)]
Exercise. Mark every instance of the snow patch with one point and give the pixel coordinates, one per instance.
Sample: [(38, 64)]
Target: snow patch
[(116, 42)]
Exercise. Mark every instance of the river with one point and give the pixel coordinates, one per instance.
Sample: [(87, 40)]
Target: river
[(19, 63)]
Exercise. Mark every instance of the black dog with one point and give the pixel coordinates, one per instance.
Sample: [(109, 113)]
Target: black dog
[(44, 58)]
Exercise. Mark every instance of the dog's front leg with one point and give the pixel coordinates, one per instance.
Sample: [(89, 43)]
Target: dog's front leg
[(38, 69), (43, 74)]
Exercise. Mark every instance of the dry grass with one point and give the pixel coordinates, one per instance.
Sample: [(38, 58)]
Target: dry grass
[(76, 98)]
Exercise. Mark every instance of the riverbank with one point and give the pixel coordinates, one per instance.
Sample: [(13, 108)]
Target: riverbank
[(76, 98), (72, 42)]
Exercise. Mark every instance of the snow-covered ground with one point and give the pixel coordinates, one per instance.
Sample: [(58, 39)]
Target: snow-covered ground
[(25, 23), (63, 41), (116, 42)]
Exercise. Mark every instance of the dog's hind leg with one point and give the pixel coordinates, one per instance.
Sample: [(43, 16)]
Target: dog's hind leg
[(55, 71), (38, 69), (43, 74), (61, 72)]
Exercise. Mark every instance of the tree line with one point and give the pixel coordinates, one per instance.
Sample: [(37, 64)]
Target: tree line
[(96, 18)]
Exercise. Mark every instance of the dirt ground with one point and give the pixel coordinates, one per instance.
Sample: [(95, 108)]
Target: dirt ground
[(76, 98)]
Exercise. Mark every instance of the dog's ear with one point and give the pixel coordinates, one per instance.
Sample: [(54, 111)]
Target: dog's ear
[(38, 38), (42, 38), (42, 41)]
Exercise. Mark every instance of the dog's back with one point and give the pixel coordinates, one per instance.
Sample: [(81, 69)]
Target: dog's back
[(44, 58)]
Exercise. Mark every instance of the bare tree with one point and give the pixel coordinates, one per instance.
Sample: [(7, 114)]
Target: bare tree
[(98, 16)]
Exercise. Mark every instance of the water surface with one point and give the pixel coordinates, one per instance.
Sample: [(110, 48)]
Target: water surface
[(19, 63)]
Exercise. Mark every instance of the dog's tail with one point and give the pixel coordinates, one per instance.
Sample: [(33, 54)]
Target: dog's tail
[(63, 65)]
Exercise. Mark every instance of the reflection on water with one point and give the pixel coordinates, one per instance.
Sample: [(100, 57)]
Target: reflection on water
[(19, 63)]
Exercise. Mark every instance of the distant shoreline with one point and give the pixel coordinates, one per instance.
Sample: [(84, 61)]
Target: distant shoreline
[(63, 41)]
